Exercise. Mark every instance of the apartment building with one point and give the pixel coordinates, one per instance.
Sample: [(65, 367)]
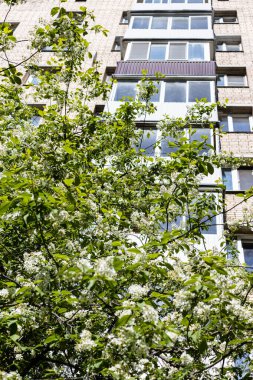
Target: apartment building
[(203, 48)]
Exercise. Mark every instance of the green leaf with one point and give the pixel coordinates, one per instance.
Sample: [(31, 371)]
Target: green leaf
[(54, 11), (68, 181), (123, 320), (51, 338)]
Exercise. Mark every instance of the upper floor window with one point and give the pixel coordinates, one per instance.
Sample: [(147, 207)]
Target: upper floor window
[(225, 80), (124, 18), (168, 92), (174, 1), (225, 17), (238, 179), (170, 51), (229, 46), (236, 123), (151, 142), (157, 22)]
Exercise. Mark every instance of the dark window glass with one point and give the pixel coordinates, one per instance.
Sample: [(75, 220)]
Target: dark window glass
[(175, 92), (227, 178), (125, 89), (180, 23), (141, 23), (159, 23), (139, 50), (245, 178), (200, 135), (241, 124), (157, 52), (248, 255), (196, 52), (199, 23), (224, 123), (147, 141), (167, 146), (210, 225), (199, 90)]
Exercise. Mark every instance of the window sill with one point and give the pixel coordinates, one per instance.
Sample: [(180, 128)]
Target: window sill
[(232, 86), (229, 51)]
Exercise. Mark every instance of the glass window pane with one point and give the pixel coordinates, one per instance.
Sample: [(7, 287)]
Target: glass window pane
[(148, 141), (210, 225), (157, 52), (245, 178), (219, 47), (199, 23), (166, 148), (195, 1), (148, 1), (200, 135), (35, 120), (220, 80), (227, 178), (159, 23), (156, 97), (199, 90), (141, 23), (241, 124), (139, 51), (236, 80), (177, 51), (176, 223), (177, 1), (248, 255), (224, 123), (229, 20), (180, 23), (175, 92), (233, 47), (196, 52), (33, 79), (125, 89)]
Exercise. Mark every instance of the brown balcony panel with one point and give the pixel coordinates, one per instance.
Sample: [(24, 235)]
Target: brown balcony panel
[(175, 68)]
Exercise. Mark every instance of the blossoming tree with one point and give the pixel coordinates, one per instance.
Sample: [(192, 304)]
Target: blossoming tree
[(98, 280)]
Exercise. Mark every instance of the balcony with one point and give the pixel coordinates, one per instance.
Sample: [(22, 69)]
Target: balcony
[(141, 5)]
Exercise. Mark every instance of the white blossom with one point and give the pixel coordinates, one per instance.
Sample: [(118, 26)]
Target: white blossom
[(4, 293), (86, 342), (33, 261), (105, 268), (186, 358), (137, 291), (149, 314)]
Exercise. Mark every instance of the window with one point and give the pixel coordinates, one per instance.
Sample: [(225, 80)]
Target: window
[(124, 18), (199, 90), (157, 52), (248, 254), (173, 92), (200, 135), (177, 51), (231, 80), (175, 224), (199, 23), (238, 179), (172, 51), (141, 23), (209, 225), (148, 141), (35, 120), (174, 23), (229, 46), (125, 89), (139, 50), (196, 52), (180, 23), (159, 23), (117, 44), (33, 79), (245, 178), (225, 20), (168, 146), (227, 179), (236, 123)]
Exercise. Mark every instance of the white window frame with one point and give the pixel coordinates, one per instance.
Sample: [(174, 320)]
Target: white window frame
[(169, 24), (167, 44), (240, 240), (220, 20), (226, 84), (236, 179), (230, 121), (162, 90), (225, 44), (158, 149)]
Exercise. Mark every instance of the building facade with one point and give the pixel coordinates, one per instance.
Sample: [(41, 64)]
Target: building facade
[(203, 48)]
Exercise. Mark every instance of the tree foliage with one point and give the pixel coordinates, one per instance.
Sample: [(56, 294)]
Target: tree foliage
[(97, 278)]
